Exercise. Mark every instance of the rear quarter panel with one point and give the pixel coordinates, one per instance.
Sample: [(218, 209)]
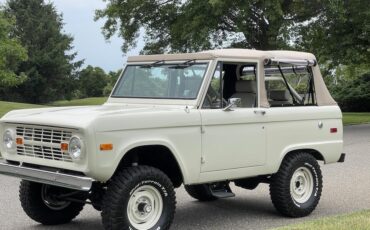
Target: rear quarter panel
[(297, 128)]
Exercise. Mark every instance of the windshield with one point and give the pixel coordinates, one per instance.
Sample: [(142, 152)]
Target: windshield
[(162, 81)]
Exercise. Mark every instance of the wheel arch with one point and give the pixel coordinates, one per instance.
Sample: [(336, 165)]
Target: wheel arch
[(156, 154), (314, 152)]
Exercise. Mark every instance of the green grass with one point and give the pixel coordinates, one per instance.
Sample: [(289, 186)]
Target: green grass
[(79, 102), (358, 221), (356, 118), (8, 106)]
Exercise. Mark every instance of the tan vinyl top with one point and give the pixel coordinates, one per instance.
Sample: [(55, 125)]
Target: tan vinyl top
[(224, 53), (323, 96)]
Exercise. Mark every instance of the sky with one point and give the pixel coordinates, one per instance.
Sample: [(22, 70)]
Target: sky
[(89, 42)]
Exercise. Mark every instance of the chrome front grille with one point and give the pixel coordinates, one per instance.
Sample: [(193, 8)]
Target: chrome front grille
[(46, 135), (43, 142)]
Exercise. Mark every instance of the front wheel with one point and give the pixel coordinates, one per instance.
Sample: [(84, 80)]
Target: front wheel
[(296, 188), (42, 203), (139, 198)]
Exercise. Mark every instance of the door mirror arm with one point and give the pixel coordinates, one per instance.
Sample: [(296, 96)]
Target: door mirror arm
[(232, 103)]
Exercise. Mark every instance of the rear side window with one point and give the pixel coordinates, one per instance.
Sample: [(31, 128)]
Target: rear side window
[(289, 85)]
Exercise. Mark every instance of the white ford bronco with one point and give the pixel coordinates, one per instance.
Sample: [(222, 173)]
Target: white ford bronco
[(202, 120)]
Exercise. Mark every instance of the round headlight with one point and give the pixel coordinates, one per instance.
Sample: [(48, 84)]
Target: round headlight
[(9, 139), (75, 148)]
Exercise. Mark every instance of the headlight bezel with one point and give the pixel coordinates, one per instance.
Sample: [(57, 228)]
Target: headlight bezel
[(9, 140), (76, 148)]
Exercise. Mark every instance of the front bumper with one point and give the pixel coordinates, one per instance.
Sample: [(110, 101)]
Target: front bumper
[(46, 177)]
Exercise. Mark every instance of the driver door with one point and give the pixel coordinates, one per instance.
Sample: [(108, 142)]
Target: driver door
[(232, 139)]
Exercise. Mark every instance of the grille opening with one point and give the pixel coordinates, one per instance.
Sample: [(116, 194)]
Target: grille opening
[(40, 142)]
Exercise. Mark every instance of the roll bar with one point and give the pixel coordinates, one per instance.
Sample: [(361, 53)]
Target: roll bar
[(278, 61), (275, 70)]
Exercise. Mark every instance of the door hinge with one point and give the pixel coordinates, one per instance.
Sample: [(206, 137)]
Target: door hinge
[(202, 129), (202, 160)]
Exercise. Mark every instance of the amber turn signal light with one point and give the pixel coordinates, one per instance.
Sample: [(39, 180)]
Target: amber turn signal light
[(106, 147), (19, 141), (64, 146)]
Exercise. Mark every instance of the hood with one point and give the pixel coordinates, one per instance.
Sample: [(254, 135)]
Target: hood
[(73, 117)]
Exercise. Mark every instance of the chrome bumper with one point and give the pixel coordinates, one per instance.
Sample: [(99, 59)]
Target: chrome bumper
[(47, 177)]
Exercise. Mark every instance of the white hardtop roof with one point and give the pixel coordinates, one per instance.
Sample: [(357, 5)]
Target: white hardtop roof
[(225, 53)]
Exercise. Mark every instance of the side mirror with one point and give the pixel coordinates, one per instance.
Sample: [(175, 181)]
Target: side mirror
[(233, 103)]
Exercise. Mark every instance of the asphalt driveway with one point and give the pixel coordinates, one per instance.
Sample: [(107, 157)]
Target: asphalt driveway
[(346, 189)]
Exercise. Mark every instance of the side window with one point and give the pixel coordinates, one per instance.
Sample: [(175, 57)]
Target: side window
[(213, 99), (248, 73), (289, 85), (232, 80)]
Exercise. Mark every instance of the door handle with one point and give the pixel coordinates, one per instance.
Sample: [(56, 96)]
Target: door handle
[(261, 112)]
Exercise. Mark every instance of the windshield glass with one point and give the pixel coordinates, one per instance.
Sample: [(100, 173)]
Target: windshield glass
[(164, 81)]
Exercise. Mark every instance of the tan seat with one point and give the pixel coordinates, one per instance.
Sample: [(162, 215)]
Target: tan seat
[(279, 98), (246, 90)]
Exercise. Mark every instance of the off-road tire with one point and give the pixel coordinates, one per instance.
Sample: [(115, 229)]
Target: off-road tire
[(280, 185), (123, 185), (35, 208), (201, 192)]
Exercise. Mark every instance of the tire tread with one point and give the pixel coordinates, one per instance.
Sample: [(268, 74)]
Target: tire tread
[(32, 204), (280, 185), (121, 183)]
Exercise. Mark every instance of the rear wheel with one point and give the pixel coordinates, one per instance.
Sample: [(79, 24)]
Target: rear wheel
[(42, 203), (139, 198), (296, 188), (201, 192)]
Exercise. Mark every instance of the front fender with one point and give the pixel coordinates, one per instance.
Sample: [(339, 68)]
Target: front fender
[(176, 140), (160, 142)]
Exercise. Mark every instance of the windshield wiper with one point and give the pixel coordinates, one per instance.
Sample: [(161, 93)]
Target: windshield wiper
[(183, 65), (154, 64)]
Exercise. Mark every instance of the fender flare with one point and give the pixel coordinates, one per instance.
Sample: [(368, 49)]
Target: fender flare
[(308, 147), (127, 148)]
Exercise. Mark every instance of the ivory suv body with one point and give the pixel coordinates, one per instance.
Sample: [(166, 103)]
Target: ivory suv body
[(202, 120)]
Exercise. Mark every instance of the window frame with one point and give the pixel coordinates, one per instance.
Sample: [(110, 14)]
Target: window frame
[(223, 61), (210, 84), (207, 63), (310, 74)]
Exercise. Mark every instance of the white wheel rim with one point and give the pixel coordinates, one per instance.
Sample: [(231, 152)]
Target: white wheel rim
[(301, 185), (145, 207)]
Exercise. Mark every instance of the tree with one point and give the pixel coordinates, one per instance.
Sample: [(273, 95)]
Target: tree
[(340, 33), (112, 79), (193, 25), (339, 37), (354, 95), (114, 75), (92, 81), (50, 67), (11, 54)]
